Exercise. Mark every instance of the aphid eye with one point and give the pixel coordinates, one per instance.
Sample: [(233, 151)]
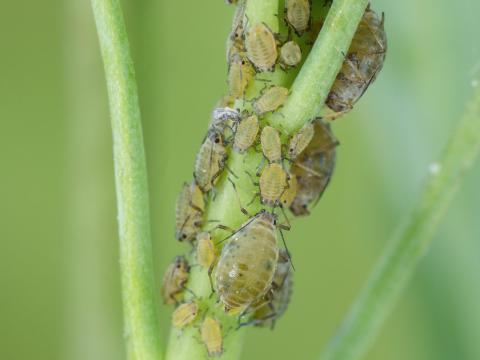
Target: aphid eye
[(243, 62), (217, 140), (184, 236)]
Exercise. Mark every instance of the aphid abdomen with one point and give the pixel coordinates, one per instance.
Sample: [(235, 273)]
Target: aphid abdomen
[(261, 47), (290, 54), (273, 182), (298, 14), (184, 314), (211, 334), (210, 161), (247, 264), (188, 212), (246, 134), (240, 73), (270, 100), (271, 145)]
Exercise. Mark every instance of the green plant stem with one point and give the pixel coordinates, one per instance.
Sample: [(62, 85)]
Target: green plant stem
[(398, 262), (313, 83), (140, 315)]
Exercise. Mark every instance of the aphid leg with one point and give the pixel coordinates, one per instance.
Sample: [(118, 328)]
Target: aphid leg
[(286, 226), (190, 292), (255, 183), (254, 198), (230, 171), (311, 171), (210, 270), (286, 249), (260, 166), (242, 209)]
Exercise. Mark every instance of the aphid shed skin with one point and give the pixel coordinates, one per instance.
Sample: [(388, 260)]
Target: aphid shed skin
[(188, 212), (261, 47), (362, 64), (212, 336), (273, 183), (290, 54), (206, 253), (270, 100), (271, 145), (246, 133), (184, 314), (314, 168), (174, 280), (300, 140), (210, 160), (297, 15), (247, 263)]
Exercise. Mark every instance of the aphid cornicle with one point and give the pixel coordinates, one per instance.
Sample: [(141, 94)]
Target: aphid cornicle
[(273, 184), (184, 314), (297, 15), (313, 168), (189, 212), (212, 336), (290, 54), (206, 253), (246, 133), (300, 140), (261, 47), (271, 145), (210, 160), (247, 263), (279, 297), (270, 100), (240, 73), (174, 280), (362, 64)]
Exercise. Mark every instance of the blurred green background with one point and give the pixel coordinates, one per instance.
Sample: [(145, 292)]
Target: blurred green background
[(59, 281)]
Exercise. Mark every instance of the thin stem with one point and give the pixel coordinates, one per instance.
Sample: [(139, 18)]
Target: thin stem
[(140, 313), (398, 262), (313, 83)]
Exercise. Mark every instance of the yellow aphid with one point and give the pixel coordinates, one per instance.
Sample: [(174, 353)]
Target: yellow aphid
[(246, 133), (290, 193), (174, 280), (210, 160), (206, 253), (240, 73), (270, 100), (189, 212), (247, 263), (297, 14), (271, 145), (184, 314), (362, 64), (261, 47), (290, 54), (273, 183), (212, 337), (300, 140)]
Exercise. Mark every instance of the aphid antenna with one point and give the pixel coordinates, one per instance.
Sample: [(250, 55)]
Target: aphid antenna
[(242, 209), (230, 171), (286, 249), (240, 229)]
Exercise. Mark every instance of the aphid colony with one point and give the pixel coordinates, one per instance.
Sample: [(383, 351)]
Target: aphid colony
[(250, 274)]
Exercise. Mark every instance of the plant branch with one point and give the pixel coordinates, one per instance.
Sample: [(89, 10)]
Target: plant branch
[(312, 85), (387, 281), (140, 313)]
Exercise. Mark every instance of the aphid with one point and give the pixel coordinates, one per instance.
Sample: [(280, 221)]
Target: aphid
[(313, 168), (271, 145), (297, 15), (261, 47), (273, 183), (290, 192), (300, 140), (270, 100), (246, 133), (290, 54), (247, 263), (210, 160), (174, 280), (235, 41), (221, 115), (206, 253), (278, 299), (212, 337), (362, 64), (240, 73), (188, 212), (184, 314)]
